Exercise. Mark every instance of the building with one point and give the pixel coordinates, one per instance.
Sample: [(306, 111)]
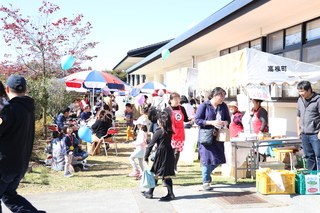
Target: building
[(287, 28)]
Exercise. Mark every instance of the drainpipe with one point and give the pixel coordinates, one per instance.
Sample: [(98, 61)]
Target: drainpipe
[(192, 61)]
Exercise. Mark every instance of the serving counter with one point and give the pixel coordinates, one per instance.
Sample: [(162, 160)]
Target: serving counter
[(254, 147)]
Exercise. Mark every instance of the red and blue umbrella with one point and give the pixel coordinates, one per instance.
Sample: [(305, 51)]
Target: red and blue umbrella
[(151, 87), (93, 79)]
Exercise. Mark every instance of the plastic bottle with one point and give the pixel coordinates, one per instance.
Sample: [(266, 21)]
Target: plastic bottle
[(218, 118)]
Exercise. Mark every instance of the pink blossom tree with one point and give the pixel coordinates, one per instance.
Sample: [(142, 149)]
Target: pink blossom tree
[(39, 43)]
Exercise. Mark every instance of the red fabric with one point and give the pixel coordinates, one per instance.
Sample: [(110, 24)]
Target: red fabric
[(177, 119), (178, 138), (234, 128), (256, 123)]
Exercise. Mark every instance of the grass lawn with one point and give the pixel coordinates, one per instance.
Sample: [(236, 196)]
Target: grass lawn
[(110, 172)]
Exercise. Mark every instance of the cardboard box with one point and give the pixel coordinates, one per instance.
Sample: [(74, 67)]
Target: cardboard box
[(275, 165), (229, 171)]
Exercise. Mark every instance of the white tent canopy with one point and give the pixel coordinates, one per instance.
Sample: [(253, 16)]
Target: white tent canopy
[(249, 66)]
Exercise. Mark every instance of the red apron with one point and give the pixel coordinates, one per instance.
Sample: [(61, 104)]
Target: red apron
[(256, 123), (177, 119), (234, 128)]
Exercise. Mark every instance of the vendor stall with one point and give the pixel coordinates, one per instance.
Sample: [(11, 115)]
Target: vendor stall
[(258, 75)]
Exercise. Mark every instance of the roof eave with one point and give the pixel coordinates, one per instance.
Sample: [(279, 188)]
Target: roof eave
[(221, 17)]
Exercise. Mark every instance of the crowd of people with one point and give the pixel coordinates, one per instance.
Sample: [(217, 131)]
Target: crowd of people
[(166, 122)]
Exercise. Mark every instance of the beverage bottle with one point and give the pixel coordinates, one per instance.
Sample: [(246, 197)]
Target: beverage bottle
[(218, 118)]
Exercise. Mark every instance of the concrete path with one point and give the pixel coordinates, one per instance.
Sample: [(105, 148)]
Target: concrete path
[(223, 198)]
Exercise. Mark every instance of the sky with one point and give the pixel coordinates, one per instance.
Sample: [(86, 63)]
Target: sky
[(123, 25)]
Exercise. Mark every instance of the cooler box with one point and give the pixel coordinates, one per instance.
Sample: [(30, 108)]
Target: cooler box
[(265, 185), (308, 182)]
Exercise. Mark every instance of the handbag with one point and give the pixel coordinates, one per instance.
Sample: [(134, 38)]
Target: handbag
[(147, 179), (206, 136), (223, 135)]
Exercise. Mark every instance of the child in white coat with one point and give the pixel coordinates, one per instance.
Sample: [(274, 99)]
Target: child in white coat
[(140, 145)]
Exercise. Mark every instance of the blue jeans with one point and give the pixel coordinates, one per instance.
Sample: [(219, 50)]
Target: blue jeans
[(83, 154), (206, 172), (9, 196), (311, 148), (153, 127)]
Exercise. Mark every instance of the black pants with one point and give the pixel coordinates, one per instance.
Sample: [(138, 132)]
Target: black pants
[(176, 157)]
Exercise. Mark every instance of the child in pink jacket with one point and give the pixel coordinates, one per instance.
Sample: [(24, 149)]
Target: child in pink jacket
[(140, 145)]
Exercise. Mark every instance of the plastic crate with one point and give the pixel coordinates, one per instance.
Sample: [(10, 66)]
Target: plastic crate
[(265, 185), (301, 183), (301, 161)]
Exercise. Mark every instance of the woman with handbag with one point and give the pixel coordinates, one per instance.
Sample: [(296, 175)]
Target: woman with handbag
[(211, 115), (163, 164)]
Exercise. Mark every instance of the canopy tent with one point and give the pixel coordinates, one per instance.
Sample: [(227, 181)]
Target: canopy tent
[(249, 66)]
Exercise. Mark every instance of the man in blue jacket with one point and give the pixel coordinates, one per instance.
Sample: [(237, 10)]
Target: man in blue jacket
[(17, 128), (308, 124), (62, 118)]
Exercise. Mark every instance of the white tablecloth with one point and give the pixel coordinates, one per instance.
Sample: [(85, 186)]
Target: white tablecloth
[(190, 145)]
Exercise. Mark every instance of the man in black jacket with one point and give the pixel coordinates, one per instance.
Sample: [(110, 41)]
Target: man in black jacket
[(17, 128)]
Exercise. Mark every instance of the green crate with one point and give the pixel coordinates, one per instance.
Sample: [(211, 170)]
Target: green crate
[(302, 163), (300, 181)]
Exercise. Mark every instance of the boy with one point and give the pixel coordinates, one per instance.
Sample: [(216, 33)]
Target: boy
[(129, 118)]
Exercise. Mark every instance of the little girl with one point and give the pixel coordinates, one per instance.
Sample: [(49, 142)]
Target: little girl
[(140, 144), (70, 144)]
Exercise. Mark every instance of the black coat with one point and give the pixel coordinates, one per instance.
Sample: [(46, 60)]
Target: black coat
[(17, 128)]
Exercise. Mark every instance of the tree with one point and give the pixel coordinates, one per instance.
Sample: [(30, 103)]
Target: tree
[(119, 74), (39, 43)]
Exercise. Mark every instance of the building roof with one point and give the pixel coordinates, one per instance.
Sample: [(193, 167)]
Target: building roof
[(206, 26), (136, 55)]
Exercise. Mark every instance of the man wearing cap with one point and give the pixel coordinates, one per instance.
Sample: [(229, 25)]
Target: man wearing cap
[(17, 128)]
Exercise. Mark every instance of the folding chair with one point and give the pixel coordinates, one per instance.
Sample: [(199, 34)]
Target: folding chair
[(53, 127), (111, 131)]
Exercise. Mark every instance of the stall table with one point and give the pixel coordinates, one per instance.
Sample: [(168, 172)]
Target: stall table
[(254, 147)]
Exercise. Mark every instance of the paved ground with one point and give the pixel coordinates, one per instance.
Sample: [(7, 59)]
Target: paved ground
[(223, 198)]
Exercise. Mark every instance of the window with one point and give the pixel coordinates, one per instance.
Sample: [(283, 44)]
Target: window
[(293, 35), (294, 54), (224, 52), (256, 44), (313, 30), (275, 41), (311, 54), (244, 45), (234, 49)]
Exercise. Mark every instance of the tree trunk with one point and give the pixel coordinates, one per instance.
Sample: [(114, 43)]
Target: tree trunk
[(45, 122)]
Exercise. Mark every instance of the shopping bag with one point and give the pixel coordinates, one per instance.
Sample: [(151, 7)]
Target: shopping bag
[(147, 180), (206, 136), (223, 135)]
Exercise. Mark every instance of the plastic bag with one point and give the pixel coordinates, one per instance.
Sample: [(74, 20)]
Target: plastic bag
[(147, 180)]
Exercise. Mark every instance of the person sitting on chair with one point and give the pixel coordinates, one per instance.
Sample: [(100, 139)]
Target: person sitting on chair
[(100, 129), (62, 118)]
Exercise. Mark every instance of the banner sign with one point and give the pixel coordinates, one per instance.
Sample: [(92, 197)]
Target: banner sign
[(259, 92)]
